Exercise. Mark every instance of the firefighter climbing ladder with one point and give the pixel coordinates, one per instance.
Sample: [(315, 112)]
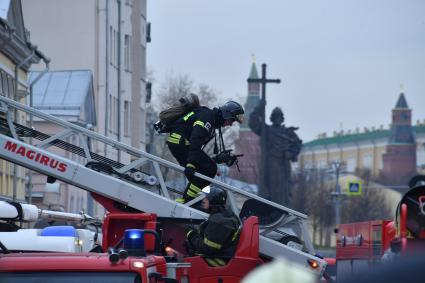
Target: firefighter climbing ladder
[(126, 184)]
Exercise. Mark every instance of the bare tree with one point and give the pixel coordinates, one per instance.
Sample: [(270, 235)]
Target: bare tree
[(310, 195), (170, 91), (371, 205), (173, 88)]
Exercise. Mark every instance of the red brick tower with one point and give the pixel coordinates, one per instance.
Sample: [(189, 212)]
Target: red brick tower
[(248, 142), (399, 161)]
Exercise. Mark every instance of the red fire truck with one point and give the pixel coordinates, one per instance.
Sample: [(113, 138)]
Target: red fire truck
[(367, 244), (132, 252), (144, 231)]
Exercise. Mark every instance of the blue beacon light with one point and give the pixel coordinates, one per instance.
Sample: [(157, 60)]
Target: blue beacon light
[(134, 242)]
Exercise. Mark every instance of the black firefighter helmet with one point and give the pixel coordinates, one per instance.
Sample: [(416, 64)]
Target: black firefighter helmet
[(232, 110), (215, 196)]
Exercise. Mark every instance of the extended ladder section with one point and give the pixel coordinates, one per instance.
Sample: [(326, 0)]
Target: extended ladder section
[(131, 184)]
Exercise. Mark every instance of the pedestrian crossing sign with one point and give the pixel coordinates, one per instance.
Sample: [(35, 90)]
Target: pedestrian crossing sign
[(354, 188)]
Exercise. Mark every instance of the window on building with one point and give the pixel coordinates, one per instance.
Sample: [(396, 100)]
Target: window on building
[(5, 85), (1, 84), (142, 133), (127, 118), (351, 164), (322, 164), (148, 88), (308, 165), (114, 48), (148, 32), (115, 116), (111, 45), (368, 161), (143, 65), (127, 53), (81, 206), (421, 156), (110, 118), (72, 204), (117, 44), (11, 85), (112, 113)]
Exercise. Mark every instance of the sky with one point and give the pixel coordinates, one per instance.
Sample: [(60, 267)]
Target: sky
[(342, 63)]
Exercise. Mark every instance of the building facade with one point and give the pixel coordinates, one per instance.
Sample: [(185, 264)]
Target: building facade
[(393, 154), (107, 38), (17, 54)]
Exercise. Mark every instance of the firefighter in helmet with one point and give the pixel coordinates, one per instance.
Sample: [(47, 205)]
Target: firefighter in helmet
[(216, 236), (188, 135)]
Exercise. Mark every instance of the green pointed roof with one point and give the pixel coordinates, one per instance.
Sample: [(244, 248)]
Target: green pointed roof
[(253, 74), (401, 102)]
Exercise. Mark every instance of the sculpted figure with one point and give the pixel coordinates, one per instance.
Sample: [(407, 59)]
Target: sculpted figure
[(282, 148)]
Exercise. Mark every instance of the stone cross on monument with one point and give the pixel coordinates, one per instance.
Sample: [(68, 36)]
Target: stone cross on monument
[(263, 168)]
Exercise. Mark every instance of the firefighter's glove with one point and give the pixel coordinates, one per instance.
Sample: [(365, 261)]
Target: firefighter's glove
[(189, 171)]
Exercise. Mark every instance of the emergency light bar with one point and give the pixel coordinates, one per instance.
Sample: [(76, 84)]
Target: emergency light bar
[(134, 242), (59, 231)]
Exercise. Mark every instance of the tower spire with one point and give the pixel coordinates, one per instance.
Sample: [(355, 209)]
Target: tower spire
[(253, 74), (401, 102)]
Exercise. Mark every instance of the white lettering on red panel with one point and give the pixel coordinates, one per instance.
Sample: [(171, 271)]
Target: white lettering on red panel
[(35, 156)]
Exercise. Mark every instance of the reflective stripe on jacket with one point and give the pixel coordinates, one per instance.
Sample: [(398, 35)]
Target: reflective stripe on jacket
[(194, 130)]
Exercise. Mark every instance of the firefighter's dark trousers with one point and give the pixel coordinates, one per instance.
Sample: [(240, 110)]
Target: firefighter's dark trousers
[(206, 166)]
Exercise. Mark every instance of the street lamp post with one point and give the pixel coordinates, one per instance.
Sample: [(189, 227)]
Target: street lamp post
[(338, 168)]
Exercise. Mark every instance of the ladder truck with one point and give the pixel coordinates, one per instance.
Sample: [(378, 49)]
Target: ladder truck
[(365, 245), (128, 191)]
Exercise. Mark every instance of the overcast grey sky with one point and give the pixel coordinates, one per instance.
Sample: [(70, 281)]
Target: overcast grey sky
[(341, 62)]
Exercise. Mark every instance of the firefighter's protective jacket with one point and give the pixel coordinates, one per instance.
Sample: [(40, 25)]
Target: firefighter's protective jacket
[(194, 130), (217, 235)]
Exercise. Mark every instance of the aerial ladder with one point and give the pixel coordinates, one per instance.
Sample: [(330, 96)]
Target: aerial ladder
[(129, 187)]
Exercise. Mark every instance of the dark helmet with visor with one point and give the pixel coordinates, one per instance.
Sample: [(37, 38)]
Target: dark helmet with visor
[(215, 196), (232, 110)]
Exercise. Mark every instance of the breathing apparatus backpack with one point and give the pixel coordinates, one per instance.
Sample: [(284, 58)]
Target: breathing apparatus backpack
[(171, 114)]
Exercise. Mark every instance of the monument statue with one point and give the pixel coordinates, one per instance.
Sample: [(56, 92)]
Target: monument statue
[(282, 146)]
